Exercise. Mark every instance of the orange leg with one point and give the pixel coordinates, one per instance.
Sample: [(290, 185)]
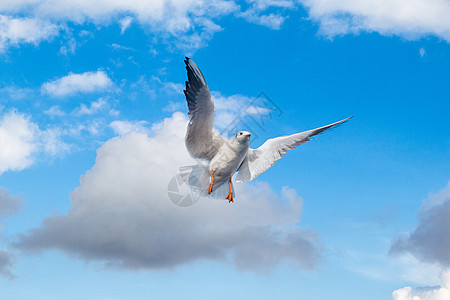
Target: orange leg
[(230, 194), (210, 186)]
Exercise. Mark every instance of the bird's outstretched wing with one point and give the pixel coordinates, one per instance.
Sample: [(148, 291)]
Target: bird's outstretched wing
[(201, 139), (260, 160)]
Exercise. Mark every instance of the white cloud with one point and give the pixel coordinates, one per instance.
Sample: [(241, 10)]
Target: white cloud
[(173, 106), (120, 47), (93, 127), (265, 4), (228, 108), (87, 82), (233, 110), (123, 127), (121, 213), (54, 111), (408, 268), (94, 107), (21, 141), (69, 48), (14, 31), (51, 142), (430, 241), (255, 13), (16, 93), (17, 141), (197, 39), (125, 23), (426, 293), (410, 19), (172, 87), (113, 112), (273, 21), (187, 24), (422, 52), (155, 88), (86, 33), (161, 15)]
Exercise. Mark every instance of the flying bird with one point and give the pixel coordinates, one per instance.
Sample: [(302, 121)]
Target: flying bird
[(222, 158)]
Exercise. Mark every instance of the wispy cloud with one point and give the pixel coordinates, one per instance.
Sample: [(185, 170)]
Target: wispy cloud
[(69, 47), (235, 108), (54, 111), (120, 47), (71, 84), (93, 108), (16, 93), (257, 14), (51, 142), (173, 106), (125, 23), (422, 52)]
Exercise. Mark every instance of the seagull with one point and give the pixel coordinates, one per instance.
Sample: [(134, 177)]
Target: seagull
[(221, 157)]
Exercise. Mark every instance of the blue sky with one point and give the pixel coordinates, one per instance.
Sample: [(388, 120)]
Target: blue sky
[(92, 119)]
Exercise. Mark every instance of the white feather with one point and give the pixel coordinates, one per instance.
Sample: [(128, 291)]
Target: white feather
[(261, 159)]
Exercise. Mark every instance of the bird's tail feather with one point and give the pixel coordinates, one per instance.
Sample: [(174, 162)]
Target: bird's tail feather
[(199, 179)]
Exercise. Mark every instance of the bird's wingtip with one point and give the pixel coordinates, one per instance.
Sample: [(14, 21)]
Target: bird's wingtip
[(345, 120)]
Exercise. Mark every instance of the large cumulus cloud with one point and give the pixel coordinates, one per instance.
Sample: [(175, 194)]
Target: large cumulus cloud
[(121, 213)]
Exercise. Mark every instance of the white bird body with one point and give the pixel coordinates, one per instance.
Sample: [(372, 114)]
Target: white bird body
[(229, 157), (226, 157)]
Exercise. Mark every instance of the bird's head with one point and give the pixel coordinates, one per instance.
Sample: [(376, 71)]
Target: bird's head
[(243, 136)]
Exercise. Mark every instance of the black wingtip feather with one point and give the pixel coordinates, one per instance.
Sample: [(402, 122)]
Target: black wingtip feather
[(195, 86)]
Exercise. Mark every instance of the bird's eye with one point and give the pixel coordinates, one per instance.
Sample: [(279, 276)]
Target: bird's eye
[(240, 133)]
